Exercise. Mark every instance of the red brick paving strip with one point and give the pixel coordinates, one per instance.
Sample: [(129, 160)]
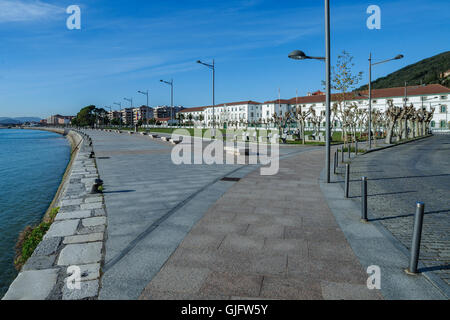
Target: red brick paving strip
[(268, 237)]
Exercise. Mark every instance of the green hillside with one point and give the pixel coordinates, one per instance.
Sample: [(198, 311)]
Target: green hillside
[(426, 71)]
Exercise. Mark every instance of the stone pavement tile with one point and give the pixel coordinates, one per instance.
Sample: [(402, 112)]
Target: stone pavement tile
[(269, 231), (91, 237), (290, 246), (269, 264), (315, 233), (47, 247), (94, 221), (202, 241), (89, 206), (229, 261), (149, 294), (347, 291), (36, 262), (71, 202), (73, 215), (218, 228), (90, 271), (62, 228), (75, 254), (195, 257), (221, 216), (232, 284), (325, 250), (241, 243), (330, 270), (291, 288), (179, 279), (249, 218), (89, 289), (32, 285)]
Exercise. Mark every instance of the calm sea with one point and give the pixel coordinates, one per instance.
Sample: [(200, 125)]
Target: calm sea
[(32, 164)]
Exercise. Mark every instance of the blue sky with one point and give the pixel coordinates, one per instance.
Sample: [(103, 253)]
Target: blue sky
[(126, 46)]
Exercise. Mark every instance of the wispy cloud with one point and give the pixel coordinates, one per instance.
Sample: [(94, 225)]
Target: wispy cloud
[(19, 10)]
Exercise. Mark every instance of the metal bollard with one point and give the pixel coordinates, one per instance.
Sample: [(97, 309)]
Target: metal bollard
[(96, 186), (417, 235), (349, 148), (356, 147), (364, 199), (334, 162), (342, 154), (347, 179)]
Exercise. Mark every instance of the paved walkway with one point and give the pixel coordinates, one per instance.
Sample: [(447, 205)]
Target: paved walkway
[(267, 237), (151, 205)]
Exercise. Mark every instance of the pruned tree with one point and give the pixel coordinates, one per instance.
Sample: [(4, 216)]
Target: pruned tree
[(393, 114), (300, 116)]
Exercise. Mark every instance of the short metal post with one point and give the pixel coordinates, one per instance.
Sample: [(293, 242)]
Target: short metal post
[(342, 154), (347, 179), (356, 147), (334, 162), (417, 235), (349, 148), (364, 199)]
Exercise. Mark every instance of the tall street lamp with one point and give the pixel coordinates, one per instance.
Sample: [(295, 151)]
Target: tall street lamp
[(121, 115), (170, 83), (130, 101), (397, 57), (213, 68), (300, 55), (145, 93)]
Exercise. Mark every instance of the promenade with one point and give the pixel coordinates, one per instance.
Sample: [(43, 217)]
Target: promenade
[(151, 205), (268, 237), (226, 232)]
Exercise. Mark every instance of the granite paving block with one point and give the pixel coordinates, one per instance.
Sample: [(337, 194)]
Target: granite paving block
[(89, 289), (62, 228), (76, 254), (32, 285), (73, 215)]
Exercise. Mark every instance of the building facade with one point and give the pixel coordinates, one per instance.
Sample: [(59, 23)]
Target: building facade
[(143, 113), (250, 113)]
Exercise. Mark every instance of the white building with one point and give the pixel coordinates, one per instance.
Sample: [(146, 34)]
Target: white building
[(247, 113)]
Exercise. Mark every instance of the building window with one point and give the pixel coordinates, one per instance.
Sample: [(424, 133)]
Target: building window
[(443, 97), (442, 123), (443, 109), (374, 101), (433, 124)]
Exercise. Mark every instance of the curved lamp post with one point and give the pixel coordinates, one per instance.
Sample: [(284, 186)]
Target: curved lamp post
[(300, 55), (170, 83), (213, 68), (145, 93), (130, 101), (397, 57)]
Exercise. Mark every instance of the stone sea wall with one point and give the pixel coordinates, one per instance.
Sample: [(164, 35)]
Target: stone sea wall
[(74, 242)]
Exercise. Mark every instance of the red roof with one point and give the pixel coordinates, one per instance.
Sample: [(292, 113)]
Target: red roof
[(163, 119), (193, 109), (379, 93)]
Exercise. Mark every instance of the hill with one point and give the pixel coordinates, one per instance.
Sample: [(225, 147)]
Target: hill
[(428, 71), (18, 120)]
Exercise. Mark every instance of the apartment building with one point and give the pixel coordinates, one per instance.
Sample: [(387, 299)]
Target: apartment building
[(143, 113), (245, 113)]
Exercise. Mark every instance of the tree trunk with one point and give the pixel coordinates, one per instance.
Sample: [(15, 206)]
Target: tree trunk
[(390, 132)]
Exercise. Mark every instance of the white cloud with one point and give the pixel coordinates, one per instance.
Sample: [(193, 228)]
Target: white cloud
[(19, 10)]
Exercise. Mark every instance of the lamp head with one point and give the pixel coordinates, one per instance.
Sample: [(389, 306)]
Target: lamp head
[(297, 55), (399, 56)]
